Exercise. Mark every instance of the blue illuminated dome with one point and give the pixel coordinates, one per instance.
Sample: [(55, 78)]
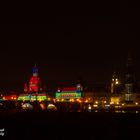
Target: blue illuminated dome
[(35, 70)]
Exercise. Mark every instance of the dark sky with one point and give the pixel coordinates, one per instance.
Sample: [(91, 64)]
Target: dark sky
[(69, 47)]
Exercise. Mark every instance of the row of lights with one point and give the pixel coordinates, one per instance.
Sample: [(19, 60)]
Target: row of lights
[(71, 100), (78, 100), (12, 98)]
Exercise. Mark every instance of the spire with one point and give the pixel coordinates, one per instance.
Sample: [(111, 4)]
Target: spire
[(35, 70), (35, 65)]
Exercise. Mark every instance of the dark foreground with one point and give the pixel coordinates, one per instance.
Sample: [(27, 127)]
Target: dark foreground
[(70, 125)]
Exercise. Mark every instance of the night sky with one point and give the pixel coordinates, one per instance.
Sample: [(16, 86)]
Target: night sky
[(71, 47)]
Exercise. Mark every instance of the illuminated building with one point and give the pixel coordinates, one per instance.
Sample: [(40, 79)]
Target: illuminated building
[(115, 100), (24, 97), (32, 92), (34, 82), (69, 94), (32, 97), (129, 96), (114, 83), (38, 97)]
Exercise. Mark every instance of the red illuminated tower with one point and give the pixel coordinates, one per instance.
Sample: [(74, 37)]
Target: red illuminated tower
[(34, 83)]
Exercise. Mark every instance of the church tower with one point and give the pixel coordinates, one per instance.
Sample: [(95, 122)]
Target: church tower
[(34, 83), (129, 80), (114, 83)]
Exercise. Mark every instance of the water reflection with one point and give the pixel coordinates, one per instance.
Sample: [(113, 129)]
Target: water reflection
[(123, 111), (137, 112), (64, 107), (89, 108), (115, 111)]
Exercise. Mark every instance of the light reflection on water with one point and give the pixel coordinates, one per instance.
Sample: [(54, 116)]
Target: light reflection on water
[(137, 112), (89, 108), (119, 111)]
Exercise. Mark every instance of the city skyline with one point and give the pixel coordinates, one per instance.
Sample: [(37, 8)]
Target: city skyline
[(54, 84), (70, 70)]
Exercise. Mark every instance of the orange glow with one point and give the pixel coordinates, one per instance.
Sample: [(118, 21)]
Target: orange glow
[(86, 101), (71, 100), (42, 106)]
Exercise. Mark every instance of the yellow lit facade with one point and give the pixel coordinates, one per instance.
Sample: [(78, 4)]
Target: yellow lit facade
[(115, 100)]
